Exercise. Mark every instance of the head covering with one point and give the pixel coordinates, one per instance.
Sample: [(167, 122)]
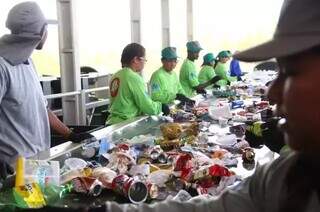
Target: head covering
[(223, 54), (26, 22), (298, 29), (169, 53), (194, 46), (208, 58)]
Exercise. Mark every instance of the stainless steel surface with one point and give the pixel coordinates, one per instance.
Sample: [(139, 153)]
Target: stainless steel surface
[(127, 129)]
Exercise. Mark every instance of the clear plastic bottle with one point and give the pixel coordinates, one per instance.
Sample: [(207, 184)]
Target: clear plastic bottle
[(250, 90)]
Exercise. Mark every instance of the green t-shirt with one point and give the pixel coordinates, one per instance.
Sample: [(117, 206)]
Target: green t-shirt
[(188, 77), (129, 97), (221, 70), (206, 73), (165, 86)]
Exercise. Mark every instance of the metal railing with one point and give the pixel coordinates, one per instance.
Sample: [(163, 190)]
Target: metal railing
[(83, 106)]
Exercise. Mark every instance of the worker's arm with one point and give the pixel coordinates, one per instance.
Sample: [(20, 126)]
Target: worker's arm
[(142, 99), (57, 125), (202, 86), (60, 128), (159, 93)]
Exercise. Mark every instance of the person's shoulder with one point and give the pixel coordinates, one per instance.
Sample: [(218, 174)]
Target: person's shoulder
[(207, 68), (158, 73), (131, 77), (4, 66), (277, 168), (185, 63)]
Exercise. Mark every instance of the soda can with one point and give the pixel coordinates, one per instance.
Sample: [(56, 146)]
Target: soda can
[(136, 191), (87, 185), (154, 154), (162, 158)]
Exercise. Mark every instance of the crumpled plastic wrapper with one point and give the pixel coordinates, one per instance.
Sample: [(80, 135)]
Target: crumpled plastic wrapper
[(120, 162), (105, 175), (171, 131)]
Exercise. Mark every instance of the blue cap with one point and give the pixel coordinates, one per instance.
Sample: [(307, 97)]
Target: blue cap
[(194, 46), (208, 58), (169, 53)]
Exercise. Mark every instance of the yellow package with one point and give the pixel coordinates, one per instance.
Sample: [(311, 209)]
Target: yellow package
[(31, 195)]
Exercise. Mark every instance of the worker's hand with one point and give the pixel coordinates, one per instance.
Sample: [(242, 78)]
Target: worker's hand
[(201, 91), (267, 134), (185, 100), (165, 109), (228, 82), (215, 79), (5, 170), (78, 137), (273, 137), (253, 139), (216, 86)]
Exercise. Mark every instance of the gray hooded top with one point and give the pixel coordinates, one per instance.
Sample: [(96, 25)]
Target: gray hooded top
[(24, 124), (27, 23)]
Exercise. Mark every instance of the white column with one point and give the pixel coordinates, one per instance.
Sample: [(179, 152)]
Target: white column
[(69, 61), (165, 22), (189, 20), (135, 13)]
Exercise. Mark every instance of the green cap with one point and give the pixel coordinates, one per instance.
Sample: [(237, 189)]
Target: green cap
[(223, 54), (169, 53), (194, 46), (208, 58)]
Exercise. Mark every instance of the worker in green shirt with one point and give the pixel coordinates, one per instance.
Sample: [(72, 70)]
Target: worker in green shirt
[(207, 71), (128, 93), (221, 68), (165, 85), (188, 73)]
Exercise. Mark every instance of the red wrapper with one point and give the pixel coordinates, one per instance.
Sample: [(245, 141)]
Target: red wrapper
[(184, 164), (218, 171)]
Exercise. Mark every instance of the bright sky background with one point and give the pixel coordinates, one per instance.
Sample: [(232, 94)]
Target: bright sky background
[(104, 29)]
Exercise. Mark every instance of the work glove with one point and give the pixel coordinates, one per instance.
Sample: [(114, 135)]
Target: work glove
[(228, 82), (5, 170), (78, 137), (185, 100), (201, 91), (216, 86), (265, 133), (165, 109), (273, 137), (215, 79)]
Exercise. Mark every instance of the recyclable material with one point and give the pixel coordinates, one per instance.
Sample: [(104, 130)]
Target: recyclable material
[(87, 185), (171, 131), (19, 181), (89, 150), (42, 172), (248, 155), (237, 104), (104, 175), (135, 191), (29, 196)]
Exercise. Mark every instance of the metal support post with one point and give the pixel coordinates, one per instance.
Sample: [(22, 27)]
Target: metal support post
[(69, 60), (165, 22)]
